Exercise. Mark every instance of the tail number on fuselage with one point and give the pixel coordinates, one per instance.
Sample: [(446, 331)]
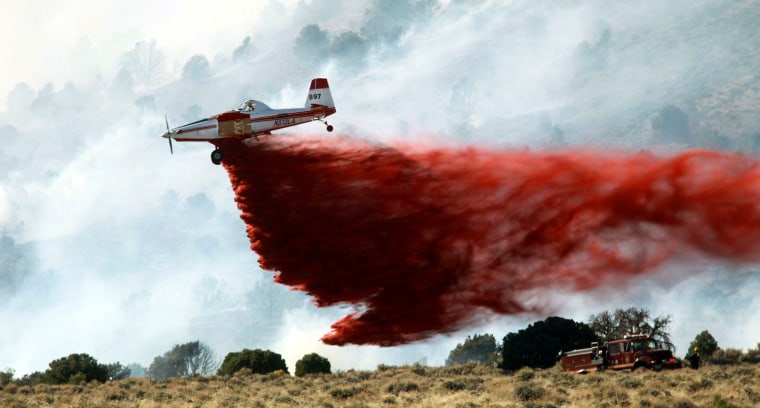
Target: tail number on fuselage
[(286, 121)]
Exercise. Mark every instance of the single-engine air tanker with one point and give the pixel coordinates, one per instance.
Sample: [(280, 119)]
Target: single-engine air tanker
[(254, 118)]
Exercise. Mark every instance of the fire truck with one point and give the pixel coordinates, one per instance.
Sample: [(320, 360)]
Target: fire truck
[(629, 353)]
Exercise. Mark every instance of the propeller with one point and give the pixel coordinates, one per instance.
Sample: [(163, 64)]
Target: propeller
[(168, 135)]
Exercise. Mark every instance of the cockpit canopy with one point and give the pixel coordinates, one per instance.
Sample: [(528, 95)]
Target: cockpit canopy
[(251, 104), (247, 106)]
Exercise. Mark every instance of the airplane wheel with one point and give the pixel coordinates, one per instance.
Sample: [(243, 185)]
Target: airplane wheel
[(329, 128), (216, 156)]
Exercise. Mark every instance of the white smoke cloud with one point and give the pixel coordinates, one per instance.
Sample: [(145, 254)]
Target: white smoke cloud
[(131, 250)]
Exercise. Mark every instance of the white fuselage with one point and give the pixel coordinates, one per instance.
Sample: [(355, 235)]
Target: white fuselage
[(241, 124)]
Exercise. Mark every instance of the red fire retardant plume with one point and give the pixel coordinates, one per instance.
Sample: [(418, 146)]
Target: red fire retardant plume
[(425, 241)]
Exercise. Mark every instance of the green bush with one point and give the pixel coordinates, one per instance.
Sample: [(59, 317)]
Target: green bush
[(312, 364), (528, 392), (259, 361), (398, 387), (6, 376), (344, 393), (76, 367)]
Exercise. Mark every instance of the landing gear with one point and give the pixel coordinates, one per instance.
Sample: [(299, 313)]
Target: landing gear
[(216, 156), (329, 126)]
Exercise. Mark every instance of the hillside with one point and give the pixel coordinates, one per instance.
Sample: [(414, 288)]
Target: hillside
[(419, 386)]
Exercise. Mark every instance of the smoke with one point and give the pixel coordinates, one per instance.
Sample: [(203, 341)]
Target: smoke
[(421, 241), (113, 247)]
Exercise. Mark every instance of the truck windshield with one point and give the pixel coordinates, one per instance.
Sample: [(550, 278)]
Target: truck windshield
[(639, 345)]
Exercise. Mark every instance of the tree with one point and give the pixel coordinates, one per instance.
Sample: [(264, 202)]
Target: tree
[(312, 364), (136, 370), (259, 361), (116, 371), (20, 98), (704, 345), (123, 83), (196, 68), (6, 376), (616, 325), (145, 61), (34, 378), (245, 51), (540, 344), (671, 124), (183, 359), (480, 348), (75, 368)]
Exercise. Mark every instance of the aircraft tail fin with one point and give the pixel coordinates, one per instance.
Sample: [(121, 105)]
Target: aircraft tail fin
[(319, 95)]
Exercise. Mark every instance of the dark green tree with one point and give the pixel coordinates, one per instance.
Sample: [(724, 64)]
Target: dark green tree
[(75, 368), (540, 344), (615, 325), (704, 345), (312, 364), (6, 376), (259, 361), (116, 371), (34, 378), (480, 348)]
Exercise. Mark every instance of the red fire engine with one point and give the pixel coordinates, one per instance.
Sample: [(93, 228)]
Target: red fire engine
[(629, 353)]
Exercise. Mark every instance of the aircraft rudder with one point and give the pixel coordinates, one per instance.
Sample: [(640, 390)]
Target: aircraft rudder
[(319, 93)]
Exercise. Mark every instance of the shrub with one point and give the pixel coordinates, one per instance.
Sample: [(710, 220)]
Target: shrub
[(455, 385), (312, 364), (259, 361), (6, 376), (344, 393), (525, 374), (726, 357), (398, 387), (116, 371), (75, 367), (529, 392)]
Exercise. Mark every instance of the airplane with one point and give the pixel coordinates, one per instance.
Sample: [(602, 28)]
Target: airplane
[(254, 118)]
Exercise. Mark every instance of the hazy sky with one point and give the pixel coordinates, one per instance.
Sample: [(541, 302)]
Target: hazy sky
[(115, 248)]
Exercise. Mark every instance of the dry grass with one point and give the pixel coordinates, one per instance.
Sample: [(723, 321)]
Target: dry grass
[(467, 386)]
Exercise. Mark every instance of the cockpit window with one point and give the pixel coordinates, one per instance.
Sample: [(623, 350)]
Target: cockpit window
[(247, 106)]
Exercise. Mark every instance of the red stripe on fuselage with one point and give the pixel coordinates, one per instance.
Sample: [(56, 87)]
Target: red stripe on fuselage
[(295, 115)]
